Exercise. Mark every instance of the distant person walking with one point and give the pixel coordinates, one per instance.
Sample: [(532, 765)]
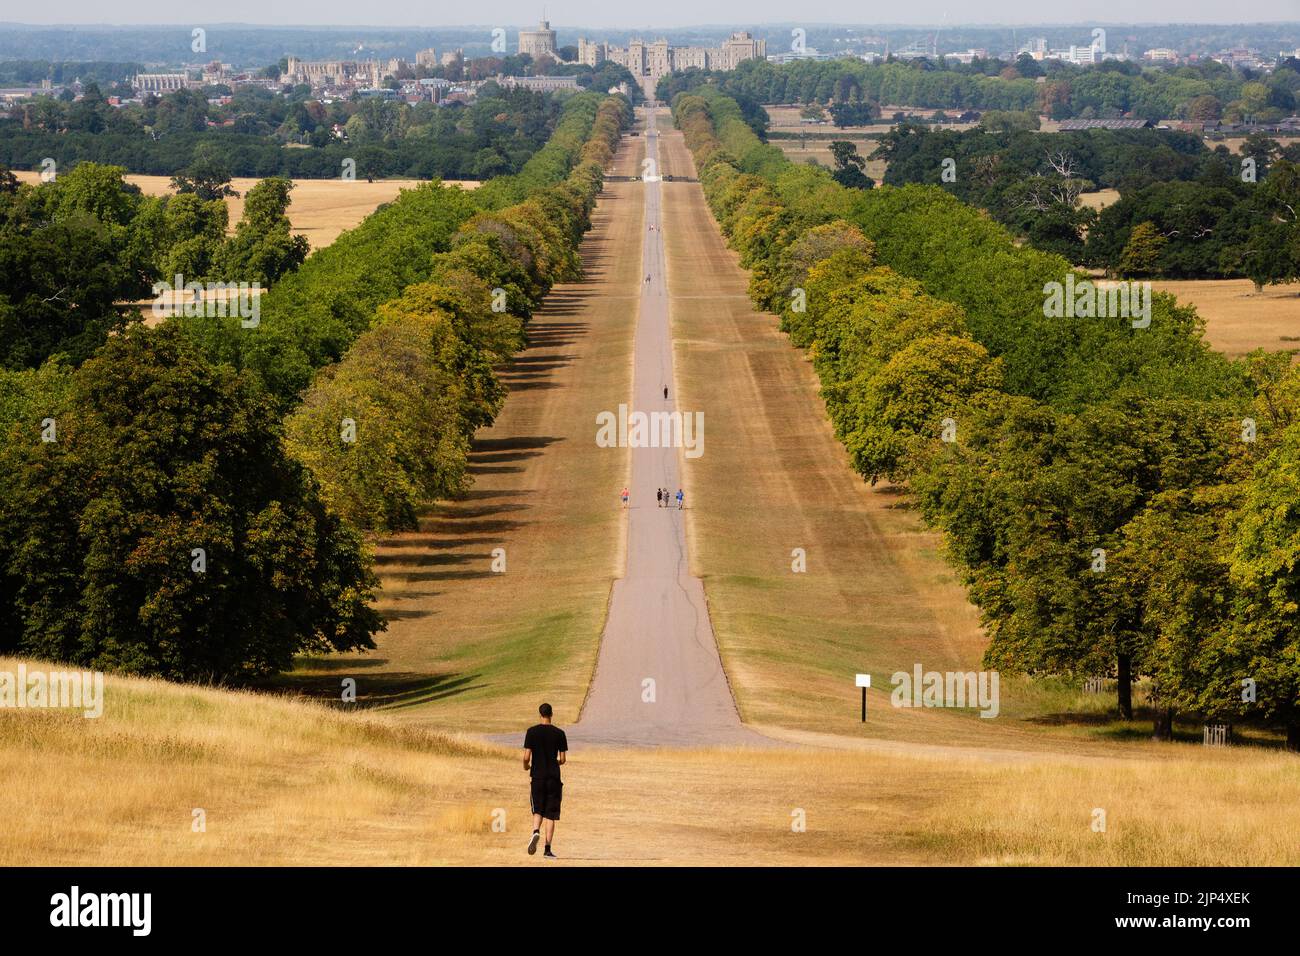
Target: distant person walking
[(659, 497), (545, 750), (680, 498), (624, 496), (665, 393)]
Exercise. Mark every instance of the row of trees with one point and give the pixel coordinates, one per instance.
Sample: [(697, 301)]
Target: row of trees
[(412, 389), (1204, 91), (1111, 491), (159, 514)]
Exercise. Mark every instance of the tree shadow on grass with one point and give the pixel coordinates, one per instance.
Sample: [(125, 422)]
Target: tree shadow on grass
[(388, 690)]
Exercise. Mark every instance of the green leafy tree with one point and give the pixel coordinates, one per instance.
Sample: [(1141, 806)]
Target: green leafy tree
[(166, 533), (1265, 645), (207, 176), (263, 249), (849, 166), (1141, 254)]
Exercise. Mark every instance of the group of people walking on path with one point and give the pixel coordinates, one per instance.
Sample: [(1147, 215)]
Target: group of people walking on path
[(662, 495), (665, 498)]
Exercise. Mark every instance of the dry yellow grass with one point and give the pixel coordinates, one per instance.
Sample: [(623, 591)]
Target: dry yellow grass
[(1100, 199), (1237, 319), (286, 782), (321, 209)]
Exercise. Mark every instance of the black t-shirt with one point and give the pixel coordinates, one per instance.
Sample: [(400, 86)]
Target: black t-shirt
[(545, 741)]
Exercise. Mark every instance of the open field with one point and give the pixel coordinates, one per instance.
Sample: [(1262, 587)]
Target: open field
[(320, 208), (819, 151), (292, 783), (786, 119), (1100, 199), (467, 648), (1237, 320)]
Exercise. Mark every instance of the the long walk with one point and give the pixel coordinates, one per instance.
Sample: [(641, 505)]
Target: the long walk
[(659, 680)]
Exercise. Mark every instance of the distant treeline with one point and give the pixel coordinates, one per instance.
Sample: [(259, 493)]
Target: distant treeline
[(1185, 212), (260, 134), (33, 72), (1207, 90)]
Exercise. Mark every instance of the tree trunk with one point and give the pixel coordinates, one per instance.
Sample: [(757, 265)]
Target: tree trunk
[(1293, 735), (1259, 287), (1125, 687), (1164, 724)]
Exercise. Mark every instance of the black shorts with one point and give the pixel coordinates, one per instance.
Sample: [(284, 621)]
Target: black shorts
[(547, 793)]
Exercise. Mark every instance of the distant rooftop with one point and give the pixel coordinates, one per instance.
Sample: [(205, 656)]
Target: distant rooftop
[(1071, 125)]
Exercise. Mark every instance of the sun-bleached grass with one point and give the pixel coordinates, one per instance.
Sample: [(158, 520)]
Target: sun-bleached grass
[(1204, 807), (288, 782), (279, 780)]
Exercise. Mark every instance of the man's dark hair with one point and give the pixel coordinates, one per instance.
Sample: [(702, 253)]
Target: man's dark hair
[(545, 711)]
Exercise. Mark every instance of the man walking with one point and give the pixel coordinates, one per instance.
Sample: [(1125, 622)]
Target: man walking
[(659, 497), (624, 496), (680, 498), (545, 749)]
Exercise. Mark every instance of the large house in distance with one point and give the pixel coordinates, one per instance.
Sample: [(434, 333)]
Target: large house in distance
[(648, 62)]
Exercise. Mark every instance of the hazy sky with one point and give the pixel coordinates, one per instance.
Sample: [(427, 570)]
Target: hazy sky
[(659, 13)]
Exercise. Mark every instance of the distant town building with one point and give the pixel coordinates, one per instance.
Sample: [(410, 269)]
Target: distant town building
[(540, 84), (1161, 55), (451, 56), (968, 57), (427, 58), (918, 49), (540, 42), (1240, 59), (161, 82), (808, 53), (1038, 49), (320, 74)]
